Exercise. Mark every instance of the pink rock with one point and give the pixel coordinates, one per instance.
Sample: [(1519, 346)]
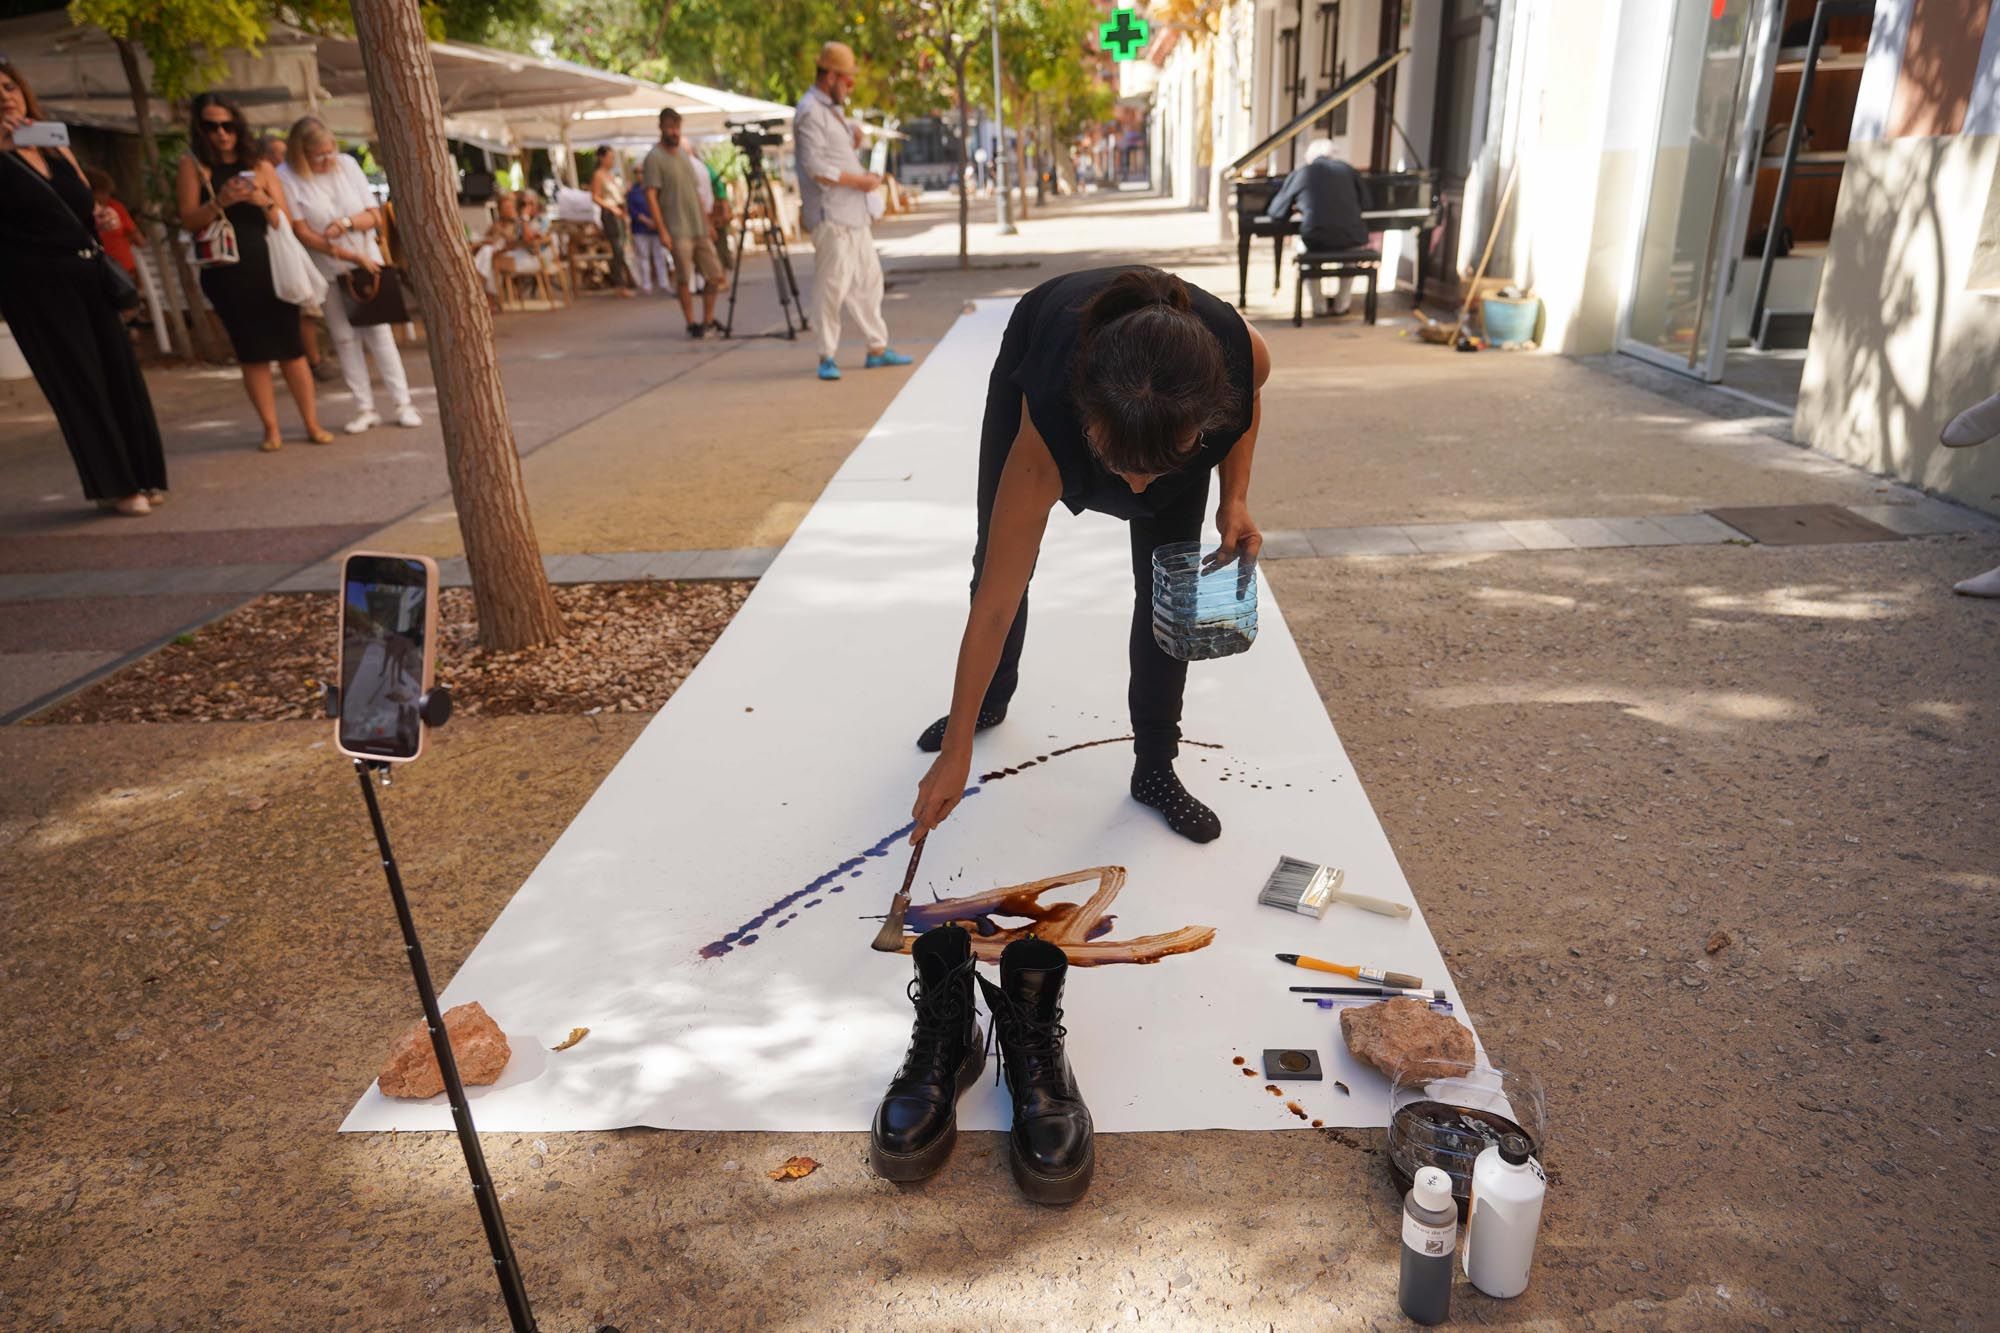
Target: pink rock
[(477, 1044), (1406, 1037)]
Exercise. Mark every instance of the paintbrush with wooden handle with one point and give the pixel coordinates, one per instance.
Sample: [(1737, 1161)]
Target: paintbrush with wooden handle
[(1374, 974), (889, 939)]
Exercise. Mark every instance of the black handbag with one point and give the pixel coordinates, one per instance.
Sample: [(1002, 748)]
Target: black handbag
[(118, 284), (373, 298)]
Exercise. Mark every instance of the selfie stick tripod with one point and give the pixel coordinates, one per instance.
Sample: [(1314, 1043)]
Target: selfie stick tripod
[(774, 244), (435, 708)]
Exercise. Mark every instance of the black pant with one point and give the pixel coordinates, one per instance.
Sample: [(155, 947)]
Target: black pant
[(1158, 680), (614, 235), (81, 354)]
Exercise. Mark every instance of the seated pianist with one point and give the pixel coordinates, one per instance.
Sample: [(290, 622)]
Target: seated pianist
[(1329, 197)]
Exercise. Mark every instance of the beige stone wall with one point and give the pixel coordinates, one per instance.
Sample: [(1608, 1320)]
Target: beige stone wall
[(1904, 337)]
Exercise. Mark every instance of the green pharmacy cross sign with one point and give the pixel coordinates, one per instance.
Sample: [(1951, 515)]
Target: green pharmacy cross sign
[(1124, 35)]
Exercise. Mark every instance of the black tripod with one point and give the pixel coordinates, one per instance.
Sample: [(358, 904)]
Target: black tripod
[(509, 1273), (774, 245)]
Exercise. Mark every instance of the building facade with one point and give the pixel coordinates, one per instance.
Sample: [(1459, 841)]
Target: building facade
[(1647, 143)]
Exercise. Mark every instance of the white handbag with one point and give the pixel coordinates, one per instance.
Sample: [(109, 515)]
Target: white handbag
[(293, 275)]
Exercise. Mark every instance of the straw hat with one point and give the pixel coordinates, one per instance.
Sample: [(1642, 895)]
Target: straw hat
[(837, 58)]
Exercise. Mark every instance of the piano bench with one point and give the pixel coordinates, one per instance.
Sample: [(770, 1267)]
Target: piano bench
[(1316, 264)]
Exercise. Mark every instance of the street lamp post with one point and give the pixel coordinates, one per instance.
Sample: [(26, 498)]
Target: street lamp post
[(1003, 211)]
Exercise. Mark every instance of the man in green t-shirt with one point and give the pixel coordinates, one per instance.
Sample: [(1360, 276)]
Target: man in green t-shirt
[(675, 197)]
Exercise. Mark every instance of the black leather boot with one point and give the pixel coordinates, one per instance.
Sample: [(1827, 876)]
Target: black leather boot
[(1050, 1147), (917, 1122)]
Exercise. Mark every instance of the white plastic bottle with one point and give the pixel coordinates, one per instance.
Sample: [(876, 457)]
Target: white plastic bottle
[(1507, 1191)]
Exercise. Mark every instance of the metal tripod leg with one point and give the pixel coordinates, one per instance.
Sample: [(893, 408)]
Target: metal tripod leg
[(506, 1269)]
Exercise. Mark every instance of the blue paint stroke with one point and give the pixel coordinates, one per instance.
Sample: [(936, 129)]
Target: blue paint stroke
[(741, 935)]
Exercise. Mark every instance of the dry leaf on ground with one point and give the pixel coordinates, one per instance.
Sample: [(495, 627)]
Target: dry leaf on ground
[(575, 1035), (796, 1168)]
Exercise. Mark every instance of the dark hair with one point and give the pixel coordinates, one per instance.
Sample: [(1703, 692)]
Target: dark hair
[(1149, 374), (204, 151), (667, 113), (100, 180), (27, 89)]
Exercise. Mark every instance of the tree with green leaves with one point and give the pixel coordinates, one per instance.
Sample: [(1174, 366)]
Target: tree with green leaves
[(945, 36)]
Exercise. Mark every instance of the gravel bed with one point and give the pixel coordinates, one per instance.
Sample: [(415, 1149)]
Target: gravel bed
[(629, 647)]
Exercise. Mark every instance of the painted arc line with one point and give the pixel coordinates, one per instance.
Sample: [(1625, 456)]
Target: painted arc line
[(790, 746)]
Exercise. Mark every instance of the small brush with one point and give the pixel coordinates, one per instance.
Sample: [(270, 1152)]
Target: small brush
[(1374, 974), (889, 939)]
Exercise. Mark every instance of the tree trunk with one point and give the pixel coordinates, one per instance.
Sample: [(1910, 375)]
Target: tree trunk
[(516, 608), (964, 129), (142, 113)]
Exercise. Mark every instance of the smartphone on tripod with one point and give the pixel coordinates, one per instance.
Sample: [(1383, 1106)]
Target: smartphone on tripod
[(388, 652)]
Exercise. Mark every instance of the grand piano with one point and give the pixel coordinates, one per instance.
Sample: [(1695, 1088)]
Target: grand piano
[(1397, 201)]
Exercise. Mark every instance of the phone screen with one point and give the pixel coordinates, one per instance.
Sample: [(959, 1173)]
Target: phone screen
[(384, 624)]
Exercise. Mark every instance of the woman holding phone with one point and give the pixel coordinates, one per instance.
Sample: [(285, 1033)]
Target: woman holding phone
[(1118, 390), (66, 321), (224, 175)]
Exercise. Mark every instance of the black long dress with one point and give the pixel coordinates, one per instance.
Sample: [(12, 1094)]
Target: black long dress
[(54, 299), (1036, 355), (261, 327)]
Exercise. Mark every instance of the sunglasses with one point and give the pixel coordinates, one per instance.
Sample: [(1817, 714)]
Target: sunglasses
[(218, 126)]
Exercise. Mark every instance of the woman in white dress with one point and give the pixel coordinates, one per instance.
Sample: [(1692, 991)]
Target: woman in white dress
[(336, 219)]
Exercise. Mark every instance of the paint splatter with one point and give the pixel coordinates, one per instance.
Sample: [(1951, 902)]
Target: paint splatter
[(741, 936)]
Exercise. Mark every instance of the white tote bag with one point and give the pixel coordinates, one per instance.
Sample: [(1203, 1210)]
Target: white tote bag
[(293, 276)]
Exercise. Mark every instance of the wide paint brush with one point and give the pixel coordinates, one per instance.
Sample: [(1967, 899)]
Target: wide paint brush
[(889, 939), (1373, 974)]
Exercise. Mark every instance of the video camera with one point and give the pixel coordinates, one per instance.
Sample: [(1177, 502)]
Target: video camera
[(754, 136)]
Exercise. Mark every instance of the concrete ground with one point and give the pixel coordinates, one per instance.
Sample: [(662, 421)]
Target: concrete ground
[(1589, 760)]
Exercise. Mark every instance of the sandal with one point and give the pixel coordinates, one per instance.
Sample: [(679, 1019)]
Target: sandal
[(320, 436), (271, 444)]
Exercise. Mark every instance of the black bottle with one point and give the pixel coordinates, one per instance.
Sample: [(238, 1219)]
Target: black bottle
[(1430, 1239)]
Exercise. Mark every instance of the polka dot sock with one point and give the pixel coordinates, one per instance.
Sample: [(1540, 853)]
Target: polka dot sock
[(1157, 785), (933, 738)]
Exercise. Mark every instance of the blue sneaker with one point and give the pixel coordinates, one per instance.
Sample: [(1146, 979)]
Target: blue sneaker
[(888, 356), (827, 369)]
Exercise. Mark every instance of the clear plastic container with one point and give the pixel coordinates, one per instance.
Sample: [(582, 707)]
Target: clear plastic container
[(1448, 1122), (1196, 615)]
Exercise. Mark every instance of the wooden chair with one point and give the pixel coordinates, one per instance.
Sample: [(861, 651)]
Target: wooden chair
[(586, 255)]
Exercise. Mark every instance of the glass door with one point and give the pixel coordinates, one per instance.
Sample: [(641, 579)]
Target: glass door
[(1698, 190)]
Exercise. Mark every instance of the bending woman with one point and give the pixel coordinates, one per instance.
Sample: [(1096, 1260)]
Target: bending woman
[(1117, 390)]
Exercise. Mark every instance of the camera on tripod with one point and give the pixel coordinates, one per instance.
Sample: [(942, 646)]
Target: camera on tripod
[(751, 138), (754, 136)]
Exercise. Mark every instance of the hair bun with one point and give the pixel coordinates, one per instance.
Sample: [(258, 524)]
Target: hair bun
[(1133, 290)]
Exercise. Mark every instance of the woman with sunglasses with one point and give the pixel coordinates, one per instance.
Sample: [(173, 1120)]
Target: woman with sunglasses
[(54, 299), (1117, 390), (225, 175)]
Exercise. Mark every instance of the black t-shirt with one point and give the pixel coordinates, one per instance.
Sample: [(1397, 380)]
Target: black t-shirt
[(1054, 314)]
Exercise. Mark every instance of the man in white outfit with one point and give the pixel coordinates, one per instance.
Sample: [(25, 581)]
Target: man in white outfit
[(835, 193)]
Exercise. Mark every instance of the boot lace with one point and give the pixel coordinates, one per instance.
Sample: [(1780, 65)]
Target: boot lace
[(1037, 1042), (941, 1014)]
